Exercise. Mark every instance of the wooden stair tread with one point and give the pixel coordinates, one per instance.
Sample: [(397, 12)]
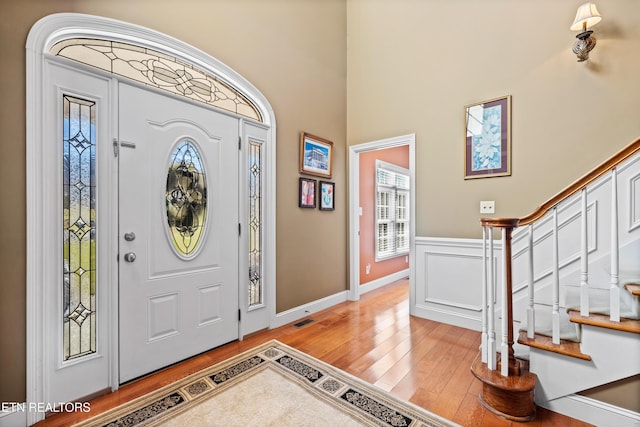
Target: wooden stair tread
[(634, 288), (603, 321), (543, 342)]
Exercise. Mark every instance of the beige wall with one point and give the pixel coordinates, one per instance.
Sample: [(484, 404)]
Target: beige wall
[(294, 52), (414, 64)]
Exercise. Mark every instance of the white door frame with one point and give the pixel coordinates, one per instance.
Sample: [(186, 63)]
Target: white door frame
[(354, 209), (40, 270)]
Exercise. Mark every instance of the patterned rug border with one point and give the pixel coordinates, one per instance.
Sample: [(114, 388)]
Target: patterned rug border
[(361, 400)]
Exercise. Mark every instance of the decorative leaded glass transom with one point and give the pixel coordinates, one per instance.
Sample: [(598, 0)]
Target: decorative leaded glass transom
[(186, 198), (156, 69), (79, 227)]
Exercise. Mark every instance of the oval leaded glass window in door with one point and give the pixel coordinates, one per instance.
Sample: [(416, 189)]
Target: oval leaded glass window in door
[(186, 198)]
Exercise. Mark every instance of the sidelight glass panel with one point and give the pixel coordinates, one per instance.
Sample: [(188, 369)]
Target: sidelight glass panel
[(79, 228), (255, 224), (186, 198)]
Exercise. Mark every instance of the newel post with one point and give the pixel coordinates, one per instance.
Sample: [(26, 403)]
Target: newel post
[(508, 390)]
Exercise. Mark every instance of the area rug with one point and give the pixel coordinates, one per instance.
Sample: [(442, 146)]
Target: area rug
[(270, 385)]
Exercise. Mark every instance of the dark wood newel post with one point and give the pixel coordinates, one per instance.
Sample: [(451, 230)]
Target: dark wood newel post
[(514, 367)]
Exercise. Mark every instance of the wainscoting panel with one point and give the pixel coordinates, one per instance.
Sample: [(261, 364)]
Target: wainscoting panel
[(448, 283), (634, 202)]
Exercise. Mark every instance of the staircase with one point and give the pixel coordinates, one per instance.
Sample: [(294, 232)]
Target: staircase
[(568, 280)]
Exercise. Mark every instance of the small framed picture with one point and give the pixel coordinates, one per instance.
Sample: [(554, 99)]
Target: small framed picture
[(307, 193), (487, 143), (316, 155), (327, 200)]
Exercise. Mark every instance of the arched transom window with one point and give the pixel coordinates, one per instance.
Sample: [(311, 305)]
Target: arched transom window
[(157, 69)]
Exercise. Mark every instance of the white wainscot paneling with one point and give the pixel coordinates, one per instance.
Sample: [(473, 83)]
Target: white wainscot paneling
[(446, 275), (634, 202), (449, 280)]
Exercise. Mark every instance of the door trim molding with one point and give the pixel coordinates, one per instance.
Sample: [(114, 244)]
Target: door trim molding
[(354, 204), (44, 33)]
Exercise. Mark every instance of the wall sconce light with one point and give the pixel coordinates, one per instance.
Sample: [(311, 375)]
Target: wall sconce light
[(586, 17)]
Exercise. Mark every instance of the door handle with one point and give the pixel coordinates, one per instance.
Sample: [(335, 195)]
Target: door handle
[(130, 237), (130, 257)]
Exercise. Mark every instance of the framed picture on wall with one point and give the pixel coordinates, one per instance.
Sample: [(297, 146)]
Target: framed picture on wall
[(327, 200), (316, 155), (487, 142), (307, 193)]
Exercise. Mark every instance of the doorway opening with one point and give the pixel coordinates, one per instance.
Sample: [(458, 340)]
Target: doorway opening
[(360, 156)]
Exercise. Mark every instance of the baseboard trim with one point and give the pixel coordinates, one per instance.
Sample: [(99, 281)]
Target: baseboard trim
[(13, 418), (441, 315), (592, 411), (383, 281), (308, 309)]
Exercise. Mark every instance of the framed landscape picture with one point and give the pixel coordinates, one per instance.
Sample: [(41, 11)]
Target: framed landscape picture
[(316, 155), (487, 143)]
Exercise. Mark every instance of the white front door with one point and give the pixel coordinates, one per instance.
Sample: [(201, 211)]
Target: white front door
[(178, 230)]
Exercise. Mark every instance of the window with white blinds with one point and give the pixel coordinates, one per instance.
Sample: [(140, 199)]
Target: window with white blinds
[(392, 210)]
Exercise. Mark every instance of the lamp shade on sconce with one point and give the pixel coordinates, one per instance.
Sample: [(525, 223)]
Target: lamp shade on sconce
[(586, 17)]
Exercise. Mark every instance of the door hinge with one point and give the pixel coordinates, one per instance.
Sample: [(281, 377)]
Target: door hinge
[(240, 143), (115, 147), (239, 229), (239, 315)]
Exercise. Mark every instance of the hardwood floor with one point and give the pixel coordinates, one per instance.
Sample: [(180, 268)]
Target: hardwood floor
[(425, 362)]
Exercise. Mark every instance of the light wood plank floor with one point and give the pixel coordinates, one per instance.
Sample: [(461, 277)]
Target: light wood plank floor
[(419, 360)]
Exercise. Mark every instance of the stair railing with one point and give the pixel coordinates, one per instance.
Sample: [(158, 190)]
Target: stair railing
[(507, 364)]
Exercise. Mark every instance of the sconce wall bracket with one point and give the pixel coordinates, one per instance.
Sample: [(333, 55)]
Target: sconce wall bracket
[(585, 44)]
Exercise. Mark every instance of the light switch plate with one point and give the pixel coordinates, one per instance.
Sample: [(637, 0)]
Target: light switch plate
[(487, 206)]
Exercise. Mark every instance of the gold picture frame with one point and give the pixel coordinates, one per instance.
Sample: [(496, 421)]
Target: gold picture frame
[(316, 155)]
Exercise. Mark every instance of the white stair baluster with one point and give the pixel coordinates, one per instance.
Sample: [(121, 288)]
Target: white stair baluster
[(531, 313), (485, 306), (614, 292), (491, 351), (584, 259), (555, 311), (504, 346)]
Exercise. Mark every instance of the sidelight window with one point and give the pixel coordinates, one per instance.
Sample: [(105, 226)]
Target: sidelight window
[(79, 227), (255, 224)]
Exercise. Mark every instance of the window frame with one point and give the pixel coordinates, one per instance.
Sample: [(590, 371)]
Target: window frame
[(391, 208)]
